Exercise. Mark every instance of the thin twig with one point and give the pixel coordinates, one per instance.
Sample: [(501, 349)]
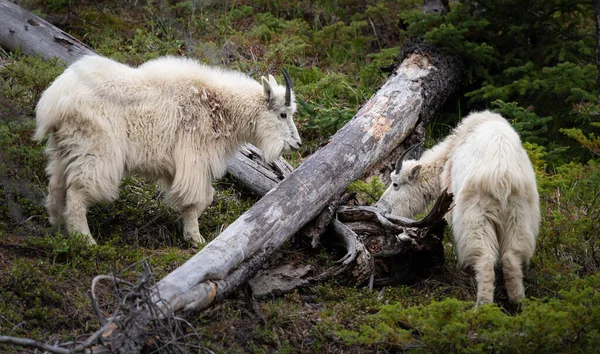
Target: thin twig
[(95, 304), (24, 342), (94, 337)]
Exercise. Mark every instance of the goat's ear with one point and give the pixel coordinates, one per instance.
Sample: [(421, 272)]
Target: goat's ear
[(272, 79), (414, 173), (266, 87)]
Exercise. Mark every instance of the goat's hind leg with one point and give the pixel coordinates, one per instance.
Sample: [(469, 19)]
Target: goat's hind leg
[(517, 248), (75, 214), (484, 274), (513, 276), (476, 244), (91, 179), (57, 190)]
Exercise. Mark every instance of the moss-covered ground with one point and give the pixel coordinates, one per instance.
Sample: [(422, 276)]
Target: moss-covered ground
[(334, 51)]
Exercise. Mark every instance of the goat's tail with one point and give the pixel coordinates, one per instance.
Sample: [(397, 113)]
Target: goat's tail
[(85, 77), (48, 109), (58, 101)]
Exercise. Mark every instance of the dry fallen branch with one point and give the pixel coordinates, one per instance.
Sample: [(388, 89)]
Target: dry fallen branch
[(369, 233), (315, 229), (24, 342), (141, 324), (80, 348), (136, 323)]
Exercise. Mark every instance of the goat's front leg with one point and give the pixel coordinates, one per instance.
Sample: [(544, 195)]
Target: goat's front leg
[(191, 232)]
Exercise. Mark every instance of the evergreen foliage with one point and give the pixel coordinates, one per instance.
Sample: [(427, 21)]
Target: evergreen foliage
[(533, 61), (570, 323)]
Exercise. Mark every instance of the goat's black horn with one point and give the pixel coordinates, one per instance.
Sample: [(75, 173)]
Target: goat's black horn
[(403, 156), (289, 85)]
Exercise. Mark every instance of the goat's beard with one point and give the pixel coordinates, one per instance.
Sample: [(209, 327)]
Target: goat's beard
[(271, 152)]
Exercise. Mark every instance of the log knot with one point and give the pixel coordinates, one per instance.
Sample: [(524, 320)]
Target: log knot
[(63, 42)]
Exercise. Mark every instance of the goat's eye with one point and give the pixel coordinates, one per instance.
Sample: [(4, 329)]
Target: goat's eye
[(395, 185), (283, 115)]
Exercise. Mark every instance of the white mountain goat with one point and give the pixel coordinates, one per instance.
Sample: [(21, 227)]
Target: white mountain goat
[(496, 211), (172, 120)]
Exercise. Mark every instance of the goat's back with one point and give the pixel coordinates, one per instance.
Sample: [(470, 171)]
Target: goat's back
[(86, 85), (488, 157), (97, 83)]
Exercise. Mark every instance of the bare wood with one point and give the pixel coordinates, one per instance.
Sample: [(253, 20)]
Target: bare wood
[(443, 83), (389, 221), (349, 238), (386, 165), (250, 168), (24, 31), (382, 123), (315, 229), (397, 250)]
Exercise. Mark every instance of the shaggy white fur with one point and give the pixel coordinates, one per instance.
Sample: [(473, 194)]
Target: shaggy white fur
[(496, 213), (172, 120)]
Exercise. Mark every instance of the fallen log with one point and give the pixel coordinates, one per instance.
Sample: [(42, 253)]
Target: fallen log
[(21, 30), (249, 168), (417, 87)]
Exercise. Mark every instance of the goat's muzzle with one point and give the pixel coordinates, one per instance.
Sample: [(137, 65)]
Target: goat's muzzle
[(295, 145)]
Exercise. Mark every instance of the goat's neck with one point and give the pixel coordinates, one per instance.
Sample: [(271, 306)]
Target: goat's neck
[(249, 112), (431, 180), (433, 162)]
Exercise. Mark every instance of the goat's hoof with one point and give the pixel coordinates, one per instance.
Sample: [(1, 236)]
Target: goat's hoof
[(482, 302), (195, 239), (86, 238)]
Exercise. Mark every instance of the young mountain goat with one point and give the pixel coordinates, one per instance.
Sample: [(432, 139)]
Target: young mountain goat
[(173, 120), (496, 211)]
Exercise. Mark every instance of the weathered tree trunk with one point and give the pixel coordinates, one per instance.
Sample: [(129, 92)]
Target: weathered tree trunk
[(416, 89), (22, 30), (250, 168)]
